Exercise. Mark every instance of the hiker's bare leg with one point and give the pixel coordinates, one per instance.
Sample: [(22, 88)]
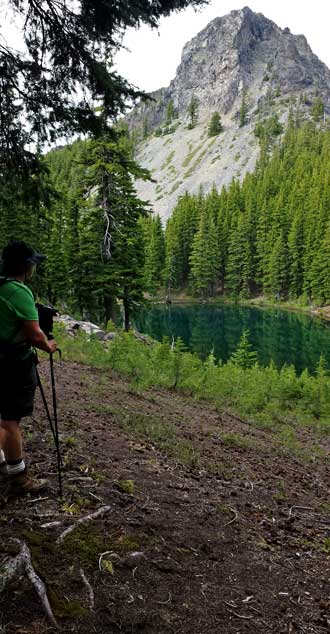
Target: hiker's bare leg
[(16, 480), (11, 440)]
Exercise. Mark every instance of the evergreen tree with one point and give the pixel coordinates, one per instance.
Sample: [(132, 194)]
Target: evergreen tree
[(296, 255), (204, 256), (320, 270), (154, 253), (116, 249), (244, 356), (239, 266), (267, 131), (215, 125), (98, 219), (180, 231), (193, 112), (78, 40), (170, 112), (278, 269)]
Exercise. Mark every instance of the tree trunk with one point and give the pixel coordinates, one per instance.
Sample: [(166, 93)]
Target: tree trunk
[(126, 306), (109, 308)]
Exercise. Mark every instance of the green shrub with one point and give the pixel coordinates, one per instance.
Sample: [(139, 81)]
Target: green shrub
[(266, 395)]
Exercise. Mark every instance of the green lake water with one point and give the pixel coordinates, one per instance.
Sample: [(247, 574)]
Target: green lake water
[(284, 337)]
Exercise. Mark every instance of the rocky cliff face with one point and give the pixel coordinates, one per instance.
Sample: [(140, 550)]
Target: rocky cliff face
[(242, 54)]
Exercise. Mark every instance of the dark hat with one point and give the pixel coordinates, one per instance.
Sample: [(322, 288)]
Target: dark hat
[(35, 257), (17, 254)]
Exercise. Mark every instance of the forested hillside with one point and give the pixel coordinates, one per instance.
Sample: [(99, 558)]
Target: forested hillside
[(270, 234)]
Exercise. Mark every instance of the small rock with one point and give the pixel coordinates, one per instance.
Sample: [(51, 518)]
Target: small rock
[(109, 336), (99, 334)]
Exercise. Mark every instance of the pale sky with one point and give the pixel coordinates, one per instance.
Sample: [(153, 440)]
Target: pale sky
[(155, 56)]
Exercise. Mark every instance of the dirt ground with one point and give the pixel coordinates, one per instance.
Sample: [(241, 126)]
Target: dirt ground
[(214, 526)]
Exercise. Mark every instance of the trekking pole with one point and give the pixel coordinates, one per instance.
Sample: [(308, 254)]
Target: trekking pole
[(46, 316), (42, 392), (56, 436), (53, 427)]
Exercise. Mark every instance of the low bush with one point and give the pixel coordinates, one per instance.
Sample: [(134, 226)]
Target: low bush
[(266, 395)]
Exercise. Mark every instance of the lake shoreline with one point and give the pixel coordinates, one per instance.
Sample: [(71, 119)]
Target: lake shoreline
[(182, 299)]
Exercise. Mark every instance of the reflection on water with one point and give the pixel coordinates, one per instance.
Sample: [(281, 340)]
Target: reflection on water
[(281, 336)]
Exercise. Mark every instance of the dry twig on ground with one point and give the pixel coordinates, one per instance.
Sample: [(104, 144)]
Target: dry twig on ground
[(83, 520)]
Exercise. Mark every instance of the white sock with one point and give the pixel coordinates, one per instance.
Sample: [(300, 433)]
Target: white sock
[(14, 469), (2, 457)]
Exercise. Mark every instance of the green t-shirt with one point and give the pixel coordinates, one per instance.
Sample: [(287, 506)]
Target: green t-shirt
[(16, 305)]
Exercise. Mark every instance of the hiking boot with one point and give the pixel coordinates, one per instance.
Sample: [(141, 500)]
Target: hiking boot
[(21, 484)]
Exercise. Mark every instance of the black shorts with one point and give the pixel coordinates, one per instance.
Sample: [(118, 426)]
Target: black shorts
[(18, 382)]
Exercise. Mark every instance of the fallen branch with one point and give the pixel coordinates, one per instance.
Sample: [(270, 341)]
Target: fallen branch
[(36, 500), (300, 508), (95, 496), (90, 590), (83, 520), (51, 524), (20, 565)]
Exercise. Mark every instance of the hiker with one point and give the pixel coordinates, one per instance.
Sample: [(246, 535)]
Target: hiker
[(19, 331)]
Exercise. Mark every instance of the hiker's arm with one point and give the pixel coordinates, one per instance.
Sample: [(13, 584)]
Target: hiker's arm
[(34, 335)]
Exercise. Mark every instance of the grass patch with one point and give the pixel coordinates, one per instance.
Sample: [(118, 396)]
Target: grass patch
[(237, 441), (195, 164), (191, 154), (172, 171), (168, 141), (155, 430), (175, 187), (271, 398), (126, 486), (167, 160)]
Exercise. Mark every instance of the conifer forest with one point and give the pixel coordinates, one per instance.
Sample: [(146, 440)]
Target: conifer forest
[(268, 235)]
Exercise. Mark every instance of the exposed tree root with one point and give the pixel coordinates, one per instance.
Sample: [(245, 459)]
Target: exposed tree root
[(89, 590), (21, 565)]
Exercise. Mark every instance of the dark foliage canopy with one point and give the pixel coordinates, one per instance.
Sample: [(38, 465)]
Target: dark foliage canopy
[(65, 82)]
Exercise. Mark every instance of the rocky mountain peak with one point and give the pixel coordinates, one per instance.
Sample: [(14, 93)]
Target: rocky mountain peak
[(236, 57), (239, 51)]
